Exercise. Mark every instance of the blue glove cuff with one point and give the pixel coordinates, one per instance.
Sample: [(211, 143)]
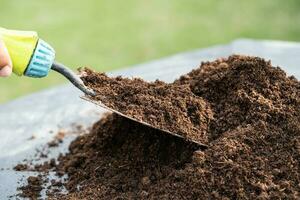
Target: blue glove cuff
[(41, 61)]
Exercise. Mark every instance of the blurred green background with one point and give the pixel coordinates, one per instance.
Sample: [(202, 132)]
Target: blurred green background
[(111, 34)]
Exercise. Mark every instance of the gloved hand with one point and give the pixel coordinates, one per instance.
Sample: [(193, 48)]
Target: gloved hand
[(5, 61), (24, 53)]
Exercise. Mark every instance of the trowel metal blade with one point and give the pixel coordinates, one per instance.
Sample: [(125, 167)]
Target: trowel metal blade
[(98, 103)]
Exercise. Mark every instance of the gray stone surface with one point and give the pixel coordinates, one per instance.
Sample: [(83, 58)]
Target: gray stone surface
[(54, 109)]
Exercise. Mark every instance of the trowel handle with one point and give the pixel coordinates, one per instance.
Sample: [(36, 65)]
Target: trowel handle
[(72, 77), (30, 55)]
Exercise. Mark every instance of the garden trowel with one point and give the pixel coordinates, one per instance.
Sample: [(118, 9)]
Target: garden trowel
[(33, 57)]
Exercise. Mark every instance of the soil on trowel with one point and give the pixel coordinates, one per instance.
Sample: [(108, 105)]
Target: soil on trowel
[(169, 107), (253, 143)]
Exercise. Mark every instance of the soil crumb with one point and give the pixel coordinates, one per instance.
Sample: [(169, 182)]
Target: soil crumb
[(170, 107), (58, 139), (21, 167), (252, 130), (33, 188)]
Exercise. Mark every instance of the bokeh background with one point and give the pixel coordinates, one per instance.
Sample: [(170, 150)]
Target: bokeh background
[(111, 34)]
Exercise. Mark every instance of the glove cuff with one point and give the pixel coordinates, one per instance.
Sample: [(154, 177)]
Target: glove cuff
[(41, 61)]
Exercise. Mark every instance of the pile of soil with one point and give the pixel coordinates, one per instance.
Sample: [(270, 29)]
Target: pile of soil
[(121, 156), (252, 131)]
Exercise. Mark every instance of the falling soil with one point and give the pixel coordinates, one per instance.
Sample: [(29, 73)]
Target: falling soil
[(252, 132)]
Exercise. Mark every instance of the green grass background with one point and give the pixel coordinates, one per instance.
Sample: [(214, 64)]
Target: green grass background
[(111, 34)]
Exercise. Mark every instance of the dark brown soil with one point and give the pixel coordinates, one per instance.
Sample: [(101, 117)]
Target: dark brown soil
[(33, 188), (243, 90), (253, 143), (122, 156), (170, 107), (21, 167)]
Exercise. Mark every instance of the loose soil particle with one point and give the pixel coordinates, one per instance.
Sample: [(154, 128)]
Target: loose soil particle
[(21, 167), (33, 188), (253, 142)]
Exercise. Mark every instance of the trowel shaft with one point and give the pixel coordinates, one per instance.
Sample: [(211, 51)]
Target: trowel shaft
[(72, 77)]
